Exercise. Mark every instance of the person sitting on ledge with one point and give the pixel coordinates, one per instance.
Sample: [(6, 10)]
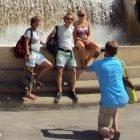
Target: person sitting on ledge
[(65, 57), (82, 34), (33, 56)]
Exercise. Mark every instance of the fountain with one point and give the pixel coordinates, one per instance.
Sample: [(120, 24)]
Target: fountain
[(131, 12), (105, 16), (110, 19)]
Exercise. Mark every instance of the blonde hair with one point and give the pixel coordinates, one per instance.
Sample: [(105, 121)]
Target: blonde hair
[(81, 11)]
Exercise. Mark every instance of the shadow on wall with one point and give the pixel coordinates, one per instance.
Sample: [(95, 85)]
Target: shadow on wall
[(137, 9)]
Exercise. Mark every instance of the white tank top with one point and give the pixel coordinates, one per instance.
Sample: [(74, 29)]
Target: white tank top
[(65, 37)]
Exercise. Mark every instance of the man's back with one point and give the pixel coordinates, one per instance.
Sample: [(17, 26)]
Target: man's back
[(109, 73)]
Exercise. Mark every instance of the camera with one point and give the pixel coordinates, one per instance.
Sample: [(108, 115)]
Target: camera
[(102, 49)]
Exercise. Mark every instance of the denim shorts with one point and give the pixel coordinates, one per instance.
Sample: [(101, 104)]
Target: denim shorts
[(65, 59), (35, 58)]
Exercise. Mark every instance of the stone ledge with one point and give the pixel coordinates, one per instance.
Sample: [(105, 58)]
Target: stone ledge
[(130, 54), (15, 75), (11, 67)]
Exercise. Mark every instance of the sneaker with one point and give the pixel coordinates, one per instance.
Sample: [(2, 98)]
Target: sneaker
[(57, 97), (74, 96), (116, 136)]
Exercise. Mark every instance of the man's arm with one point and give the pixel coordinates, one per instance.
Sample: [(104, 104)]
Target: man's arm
[(89, 62), (50, 35), (91, 59)]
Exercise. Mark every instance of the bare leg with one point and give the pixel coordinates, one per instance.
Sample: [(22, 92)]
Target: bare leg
[(29, 93), (73, 78), (93, 48), (46, 66), (59, 78), (80, 45), (115, 121), (104, 119)]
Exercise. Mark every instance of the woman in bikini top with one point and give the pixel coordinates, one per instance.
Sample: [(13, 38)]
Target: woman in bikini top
[(82, 32), (82, 38)]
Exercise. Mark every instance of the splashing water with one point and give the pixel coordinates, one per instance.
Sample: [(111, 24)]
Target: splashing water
[(15, 17)]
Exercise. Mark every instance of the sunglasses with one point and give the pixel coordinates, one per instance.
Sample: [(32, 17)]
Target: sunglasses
[(81, 15), (67, 18)]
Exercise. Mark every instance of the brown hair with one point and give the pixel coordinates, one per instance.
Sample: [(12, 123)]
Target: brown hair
[(111, 48), (68, 14), (34, 19)]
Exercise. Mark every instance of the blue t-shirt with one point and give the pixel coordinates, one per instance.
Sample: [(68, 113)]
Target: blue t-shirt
[(109, 73)]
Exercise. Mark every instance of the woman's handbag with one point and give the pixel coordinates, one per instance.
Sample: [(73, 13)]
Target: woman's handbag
[(130, 90)]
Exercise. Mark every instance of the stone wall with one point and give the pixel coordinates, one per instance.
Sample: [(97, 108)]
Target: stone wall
[(11, 68), (131, 18)]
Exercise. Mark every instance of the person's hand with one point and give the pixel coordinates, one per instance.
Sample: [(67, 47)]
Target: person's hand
[(86, 41), (97, 52), (27, 57)]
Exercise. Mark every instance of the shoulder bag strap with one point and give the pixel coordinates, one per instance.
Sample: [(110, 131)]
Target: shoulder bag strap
[(31, 38), (29, 29), (56, 27)]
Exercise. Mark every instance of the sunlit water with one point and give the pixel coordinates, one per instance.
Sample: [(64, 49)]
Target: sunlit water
[(105, 16)]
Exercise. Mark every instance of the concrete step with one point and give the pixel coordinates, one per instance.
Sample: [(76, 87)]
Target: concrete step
[(15, 75), (12, 96), (15, 103), (88, 86)]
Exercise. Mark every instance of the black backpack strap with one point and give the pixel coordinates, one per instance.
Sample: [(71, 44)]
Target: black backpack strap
[(56, 38), (31, 38), (56, 27), (56, 35), (29, 29)]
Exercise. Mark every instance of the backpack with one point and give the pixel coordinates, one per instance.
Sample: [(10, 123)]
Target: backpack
[(52, 43), (19, 49)]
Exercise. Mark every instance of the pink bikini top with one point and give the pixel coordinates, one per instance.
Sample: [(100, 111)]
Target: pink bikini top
[(82, 32)]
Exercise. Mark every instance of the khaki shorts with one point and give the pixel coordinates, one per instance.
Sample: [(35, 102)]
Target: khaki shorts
[(64, 59), (105, 116)]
